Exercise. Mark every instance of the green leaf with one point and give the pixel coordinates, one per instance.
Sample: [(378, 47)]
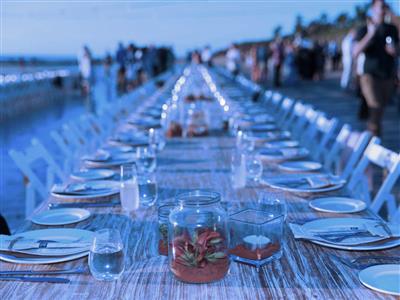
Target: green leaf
[(215, 241)]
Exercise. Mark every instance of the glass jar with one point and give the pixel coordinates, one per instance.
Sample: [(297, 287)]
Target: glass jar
[(198, 238), (163, 221)]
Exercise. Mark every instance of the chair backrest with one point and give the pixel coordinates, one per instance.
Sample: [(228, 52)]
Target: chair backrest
[(389, 161), (325, 129), (298, 120), (36, 184), (284, 111), (346, 151)]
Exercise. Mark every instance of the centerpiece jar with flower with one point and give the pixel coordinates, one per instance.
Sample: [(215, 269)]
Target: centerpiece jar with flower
[(198, 238)]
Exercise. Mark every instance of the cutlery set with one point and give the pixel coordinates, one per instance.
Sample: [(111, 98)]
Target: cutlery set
[(40, 276)]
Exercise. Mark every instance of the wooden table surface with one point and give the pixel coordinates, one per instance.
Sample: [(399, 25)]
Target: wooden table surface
[(305, 270)]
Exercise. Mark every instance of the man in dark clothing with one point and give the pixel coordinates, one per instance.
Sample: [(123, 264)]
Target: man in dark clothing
[(379, 42)]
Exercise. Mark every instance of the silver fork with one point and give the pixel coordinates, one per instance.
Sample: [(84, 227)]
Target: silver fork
[(338, 239)]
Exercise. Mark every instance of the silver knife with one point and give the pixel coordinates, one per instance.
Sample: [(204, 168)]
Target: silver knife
[(82, 204), (44, 272), (36, 279)]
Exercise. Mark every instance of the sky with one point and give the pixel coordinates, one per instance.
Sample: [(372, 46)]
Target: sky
[(55, 27)]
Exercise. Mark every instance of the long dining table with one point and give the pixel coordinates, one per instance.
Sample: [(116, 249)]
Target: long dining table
[(305, 270)]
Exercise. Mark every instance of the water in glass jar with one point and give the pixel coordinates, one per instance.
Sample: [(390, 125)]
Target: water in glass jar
[(107, 262)]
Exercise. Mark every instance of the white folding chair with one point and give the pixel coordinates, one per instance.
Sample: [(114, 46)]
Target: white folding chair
[(284, 112), (323, 132), (345, 151), (388, 160), (26, 161), (297, 121)]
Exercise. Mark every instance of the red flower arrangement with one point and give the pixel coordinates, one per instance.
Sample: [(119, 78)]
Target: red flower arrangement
[(205, 251)]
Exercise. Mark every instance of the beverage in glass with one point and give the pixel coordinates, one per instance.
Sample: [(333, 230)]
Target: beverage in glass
[(106, 256), (146, 159), (147, 189), (129, 188)]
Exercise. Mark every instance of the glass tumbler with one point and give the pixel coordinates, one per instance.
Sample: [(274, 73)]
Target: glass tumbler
[(147, 189), (129, 188), (146, 159), (106, 256)]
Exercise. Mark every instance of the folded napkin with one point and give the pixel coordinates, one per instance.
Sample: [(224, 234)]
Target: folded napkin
[(99, 156), (370, 231), (12, 243), (322, 181), (77, 189)]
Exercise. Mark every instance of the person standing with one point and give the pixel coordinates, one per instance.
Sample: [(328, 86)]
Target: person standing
[(120, 56), (233, 59), (206, 56), (277, 61), (85, 69), (379, 42), (347, 59)]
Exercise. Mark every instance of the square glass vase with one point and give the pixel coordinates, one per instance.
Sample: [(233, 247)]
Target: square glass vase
[(256, 236)]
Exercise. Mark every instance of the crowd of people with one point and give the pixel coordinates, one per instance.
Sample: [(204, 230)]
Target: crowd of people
[(135, 65), (368, 55), (285, 59)]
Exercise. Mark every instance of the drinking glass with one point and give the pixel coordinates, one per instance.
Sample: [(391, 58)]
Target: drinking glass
[(238, 169), (147, 189), (146, 159), (106, 256), (156, 139), (244, 142), (254, 167), (274, 203), (129, 189)]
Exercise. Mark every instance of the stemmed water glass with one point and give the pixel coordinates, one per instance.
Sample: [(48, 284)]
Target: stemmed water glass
[(106, 256)]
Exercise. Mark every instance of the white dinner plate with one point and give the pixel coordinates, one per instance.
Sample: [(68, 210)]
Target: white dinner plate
[(300, 166), (327, 224), (282, 144), (39, 260), (64, 235), (87, 190), (382, 278), (292, 184), (92, 174), (283, 154), (114, 161), (341, 205), (61, 216), (263, 127)]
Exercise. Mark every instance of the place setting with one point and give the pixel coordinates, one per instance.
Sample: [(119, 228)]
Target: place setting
[(85, 190), (283, 154), (105, 159), (45, 246), (305, 183)]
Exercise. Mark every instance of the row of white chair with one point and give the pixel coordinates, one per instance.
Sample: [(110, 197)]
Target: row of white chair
[(79, 136), (342, 151)]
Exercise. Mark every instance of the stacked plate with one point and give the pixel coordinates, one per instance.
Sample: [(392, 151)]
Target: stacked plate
[(86, 190), (283, 153), (358, 234), (313, 183), (92, 174), (110, 161), (45, 246)]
